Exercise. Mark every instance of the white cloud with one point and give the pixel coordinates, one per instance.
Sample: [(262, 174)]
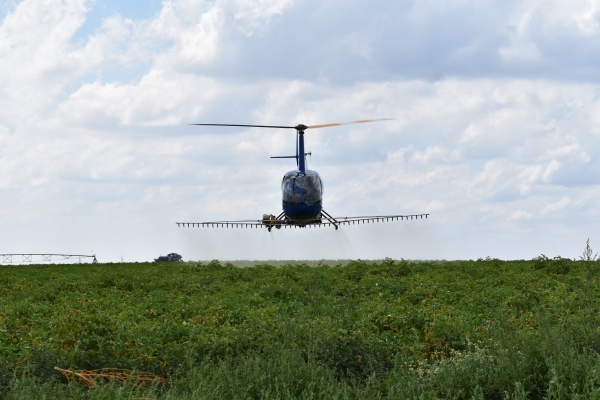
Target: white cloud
[(35, 54), (159, 99), (253, 16), (517, 215), (587, 19), (554, 207), (525, 52), (194, 31)]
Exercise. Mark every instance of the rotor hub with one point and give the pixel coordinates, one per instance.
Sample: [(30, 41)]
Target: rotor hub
[(301, 127)]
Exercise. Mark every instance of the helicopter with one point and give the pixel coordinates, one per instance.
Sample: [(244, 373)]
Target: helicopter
[(302, 193)]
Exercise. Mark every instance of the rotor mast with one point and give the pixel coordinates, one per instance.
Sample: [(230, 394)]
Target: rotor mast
[(301, 156)]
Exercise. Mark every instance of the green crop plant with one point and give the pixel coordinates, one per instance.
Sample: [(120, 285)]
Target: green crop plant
[(588, 253), (486, 329)]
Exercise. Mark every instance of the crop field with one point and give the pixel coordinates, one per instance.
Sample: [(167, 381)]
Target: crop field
[(485, 329)]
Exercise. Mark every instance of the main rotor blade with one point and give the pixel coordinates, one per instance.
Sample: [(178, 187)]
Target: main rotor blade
[(301, 127), (250, 126), (360, 121)]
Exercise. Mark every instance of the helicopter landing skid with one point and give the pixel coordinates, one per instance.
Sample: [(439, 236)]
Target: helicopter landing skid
[(270, 221), (329, 218)]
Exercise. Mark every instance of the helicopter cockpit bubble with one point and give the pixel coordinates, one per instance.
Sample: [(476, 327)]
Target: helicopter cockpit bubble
[(302, 187)]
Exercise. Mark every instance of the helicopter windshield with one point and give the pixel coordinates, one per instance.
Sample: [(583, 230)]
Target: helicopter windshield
[(298, 187)]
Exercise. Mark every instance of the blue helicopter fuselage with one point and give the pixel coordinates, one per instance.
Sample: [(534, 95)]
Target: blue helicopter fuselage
[(302, 194)]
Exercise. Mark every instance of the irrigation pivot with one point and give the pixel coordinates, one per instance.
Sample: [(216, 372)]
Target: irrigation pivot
[(33, 258)]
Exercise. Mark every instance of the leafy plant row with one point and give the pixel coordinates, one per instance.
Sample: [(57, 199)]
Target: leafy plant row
[(462, 329)]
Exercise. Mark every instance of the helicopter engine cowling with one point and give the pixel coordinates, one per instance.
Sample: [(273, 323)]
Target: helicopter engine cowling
[(302, 194)]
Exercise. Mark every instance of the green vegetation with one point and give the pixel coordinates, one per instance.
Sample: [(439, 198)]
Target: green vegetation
[(485, 329)]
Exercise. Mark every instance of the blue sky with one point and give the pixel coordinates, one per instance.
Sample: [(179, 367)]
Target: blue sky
[(497, 130), (99, 10)]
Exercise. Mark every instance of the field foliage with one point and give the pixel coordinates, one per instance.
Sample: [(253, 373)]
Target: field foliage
[(485, 329)]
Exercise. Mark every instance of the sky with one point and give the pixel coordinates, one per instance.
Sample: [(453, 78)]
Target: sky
[(496, 130)]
